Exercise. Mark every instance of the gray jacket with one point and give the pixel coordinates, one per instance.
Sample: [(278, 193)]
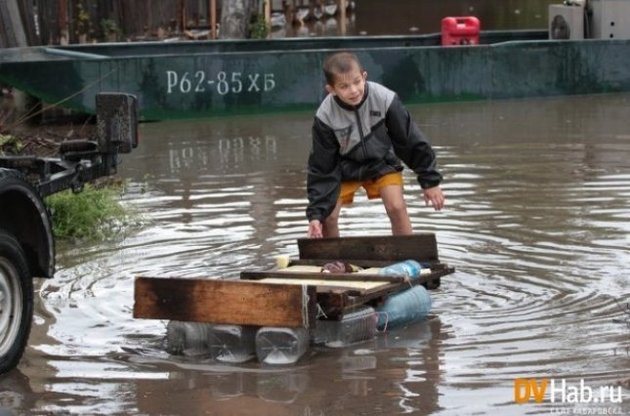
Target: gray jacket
[(361, 143)]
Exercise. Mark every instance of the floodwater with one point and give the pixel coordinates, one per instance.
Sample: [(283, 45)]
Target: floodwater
[(537, 225)]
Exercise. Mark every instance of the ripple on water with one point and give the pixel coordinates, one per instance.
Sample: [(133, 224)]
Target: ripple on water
[(536, 225)]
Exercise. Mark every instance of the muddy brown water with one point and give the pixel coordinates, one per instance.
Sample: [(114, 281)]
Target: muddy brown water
[(537, 225)]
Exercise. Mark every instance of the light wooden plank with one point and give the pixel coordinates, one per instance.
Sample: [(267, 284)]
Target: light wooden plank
[(364, 285), (355, 276), (233, 302)]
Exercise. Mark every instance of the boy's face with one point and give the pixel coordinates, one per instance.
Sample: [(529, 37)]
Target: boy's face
[(349, 86)]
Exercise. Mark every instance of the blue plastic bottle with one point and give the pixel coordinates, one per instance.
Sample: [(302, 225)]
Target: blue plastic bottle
[(404, 307), (408, 268)]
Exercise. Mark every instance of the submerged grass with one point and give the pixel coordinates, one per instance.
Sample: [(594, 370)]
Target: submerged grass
[(92, 214)]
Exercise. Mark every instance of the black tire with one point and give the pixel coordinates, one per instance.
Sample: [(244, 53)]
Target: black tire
[(16, 302)]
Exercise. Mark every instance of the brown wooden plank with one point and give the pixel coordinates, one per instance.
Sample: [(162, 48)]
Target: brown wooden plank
[(421, 247), (332, 302), (336, 306), (335, 302), (365, 263), (224, 302)]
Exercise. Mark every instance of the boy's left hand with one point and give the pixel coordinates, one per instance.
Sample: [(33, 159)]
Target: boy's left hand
[(435, 197)]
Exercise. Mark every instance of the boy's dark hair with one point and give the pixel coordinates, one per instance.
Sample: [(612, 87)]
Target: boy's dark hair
[(339, 63)]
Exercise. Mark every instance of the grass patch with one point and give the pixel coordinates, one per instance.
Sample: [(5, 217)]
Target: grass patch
[(93, 214), (10, 144)]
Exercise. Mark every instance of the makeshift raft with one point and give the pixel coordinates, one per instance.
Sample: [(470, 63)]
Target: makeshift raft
[(295, 297)]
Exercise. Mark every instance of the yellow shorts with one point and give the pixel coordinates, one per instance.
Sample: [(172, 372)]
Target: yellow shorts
[(371, 186)]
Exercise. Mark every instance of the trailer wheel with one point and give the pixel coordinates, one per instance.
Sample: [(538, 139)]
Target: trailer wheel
[(16, 302)]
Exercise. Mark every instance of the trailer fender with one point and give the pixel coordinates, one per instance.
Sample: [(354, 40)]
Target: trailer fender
[(24, 215)]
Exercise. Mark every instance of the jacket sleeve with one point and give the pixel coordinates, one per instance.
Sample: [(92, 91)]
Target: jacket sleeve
[(411, 145), (323, 179)]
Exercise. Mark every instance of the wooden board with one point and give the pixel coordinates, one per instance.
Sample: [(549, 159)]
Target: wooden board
[(357, 284), (234, 302), (348, 277), (421, 247)]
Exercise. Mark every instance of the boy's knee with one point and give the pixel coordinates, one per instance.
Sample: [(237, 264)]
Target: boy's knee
[(395, 208)]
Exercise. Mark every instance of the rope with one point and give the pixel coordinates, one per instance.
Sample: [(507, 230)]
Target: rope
[(305, 300), (30, 115), (320, 312), (386, 321)]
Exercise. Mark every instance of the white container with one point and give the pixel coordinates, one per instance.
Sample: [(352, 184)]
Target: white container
[(186, 338), (231, 343), (279, 345)]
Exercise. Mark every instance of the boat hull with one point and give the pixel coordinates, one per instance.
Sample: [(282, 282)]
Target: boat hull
[(200, 79)]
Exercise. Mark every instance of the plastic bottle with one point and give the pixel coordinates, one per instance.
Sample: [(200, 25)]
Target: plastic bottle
[(186, 338), (231, 343), (404, 307), (354, 327), (279, 345), (408, 268)]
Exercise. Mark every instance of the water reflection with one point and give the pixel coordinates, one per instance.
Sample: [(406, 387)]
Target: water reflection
[(299, 391), (536, 225), (406, 17)]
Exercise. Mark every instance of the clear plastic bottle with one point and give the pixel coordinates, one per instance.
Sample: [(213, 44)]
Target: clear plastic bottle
[(408, 268), (232, 343), (354, 327), (186, 338), (280, 345), (404, 307)]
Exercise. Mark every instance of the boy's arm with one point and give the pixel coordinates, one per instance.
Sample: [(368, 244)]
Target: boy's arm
[(324, 173), (411, 145)]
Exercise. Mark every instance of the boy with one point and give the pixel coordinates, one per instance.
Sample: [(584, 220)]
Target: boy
[(360, 131)]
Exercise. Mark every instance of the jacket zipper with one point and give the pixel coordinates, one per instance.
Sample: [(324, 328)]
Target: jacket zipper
[(356, 113)]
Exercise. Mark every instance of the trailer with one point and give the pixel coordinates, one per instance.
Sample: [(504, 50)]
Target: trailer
[(27, 247)]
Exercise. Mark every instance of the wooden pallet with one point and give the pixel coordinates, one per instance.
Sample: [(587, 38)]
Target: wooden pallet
[(293, 299)]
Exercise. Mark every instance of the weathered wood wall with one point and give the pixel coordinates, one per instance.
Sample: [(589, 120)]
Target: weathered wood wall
[(16, 26), (59, 21)]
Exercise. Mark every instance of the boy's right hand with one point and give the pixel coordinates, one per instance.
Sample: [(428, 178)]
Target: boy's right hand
[(314, 229)]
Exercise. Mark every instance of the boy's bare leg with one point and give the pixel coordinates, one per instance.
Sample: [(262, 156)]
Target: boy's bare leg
[(330, 225), (394, 201)]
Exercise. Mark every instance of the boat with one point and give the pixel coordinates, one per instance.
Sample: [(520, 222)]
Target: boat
[(193, 79), (299, 297)]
